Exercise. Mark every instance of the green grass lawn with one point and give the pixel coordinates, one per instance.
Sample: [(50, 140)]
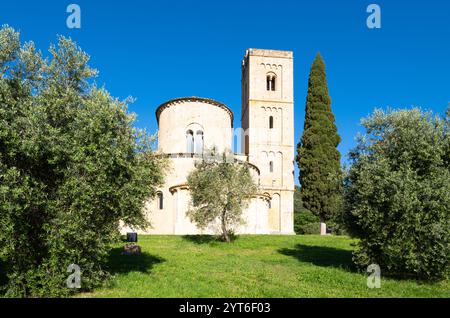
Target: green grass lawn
[(252, 266)]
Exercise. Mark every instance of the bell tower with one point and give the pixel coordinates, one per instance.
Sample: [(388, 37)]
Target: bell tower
[(268, 123)]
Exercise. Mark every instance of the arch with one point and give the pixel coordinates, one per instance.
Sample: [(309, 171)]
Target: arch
[(197, 138), (195, 126), (268, 199), (271, 81)]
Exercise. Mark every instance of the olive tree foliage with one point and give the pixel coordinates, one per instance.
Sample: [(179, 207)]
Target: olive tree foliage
[(71, 168), (398, 193), (220, 189)]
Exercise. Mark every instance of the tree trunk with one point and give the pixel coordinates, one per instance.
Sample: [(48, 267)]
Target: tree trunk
[(323, 227), (225, 235)]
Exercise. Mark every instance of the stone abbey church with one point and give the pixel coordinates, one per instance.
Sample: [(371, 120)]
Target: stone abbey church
[(189, 125)]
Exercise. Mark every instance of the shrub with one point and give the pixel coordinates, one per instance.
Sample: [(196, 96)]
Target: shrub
[(305, 222), (303, 217), (71, 167), (310, 228), (398, 194)]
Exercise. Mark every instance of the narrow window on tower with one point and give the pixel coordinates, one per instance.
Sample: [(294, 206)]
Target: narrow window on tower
[(160, 200), (270, 81), (270, 122), (190, 141), (271, 166)]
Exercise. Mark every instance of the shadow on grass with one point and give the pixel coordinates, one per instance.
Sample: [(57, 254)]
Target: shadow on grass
[(207, 239), (321, 256), (201, 239), (120, 263)]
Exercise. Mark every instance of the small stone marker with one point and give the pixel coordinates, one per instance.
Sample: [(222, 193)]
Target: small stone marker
[(132, 237), (131, 248)]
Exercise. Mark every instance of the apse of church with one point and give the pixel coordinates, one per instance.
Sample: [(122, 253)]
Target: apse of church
[(187, 126)]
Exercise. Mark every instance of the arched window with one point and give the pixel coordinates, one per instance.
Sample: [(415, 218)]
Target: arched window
[(271, 166), (190, 141), (271, 81), (199, 142), (271, 122), (160, 200)]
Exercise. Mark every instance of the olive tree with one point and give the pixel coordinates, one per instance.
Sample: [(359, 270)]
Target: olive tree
[(220, 189), (398, 194), (71, 168)]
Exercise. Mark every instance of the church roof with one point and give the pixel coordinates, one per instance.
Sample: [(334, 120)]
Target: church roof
[(194, 99)]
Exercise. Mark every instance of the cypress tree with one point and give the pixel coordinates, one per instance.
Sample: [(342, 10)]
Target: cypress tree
[(317, 155)]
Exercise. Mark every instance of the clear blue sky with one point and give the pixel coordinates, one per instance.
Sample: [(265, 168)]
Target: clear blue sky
[(157, 50)]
